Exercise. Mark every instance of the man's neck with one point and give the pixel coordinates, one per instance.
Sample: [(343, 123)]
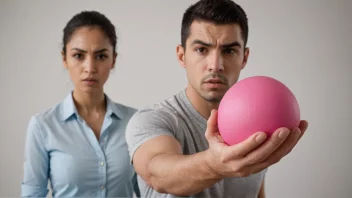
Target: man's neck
[(200, 104)]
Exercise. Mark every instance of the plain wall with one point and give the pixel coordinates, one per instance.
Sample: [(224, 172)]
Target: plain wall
[(304, 43)]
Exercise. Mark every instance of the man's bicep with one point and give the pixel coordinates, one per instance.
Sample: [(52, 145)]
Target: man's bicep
[(160, 145), (150, 133)]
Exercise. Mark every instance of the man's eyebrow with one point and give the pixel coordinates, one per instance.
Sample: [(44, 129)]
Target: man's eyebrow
[(197, 41), (233, 44)]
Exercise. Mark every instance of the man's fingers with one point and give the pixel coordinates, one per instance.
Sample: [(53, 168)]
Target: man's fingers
[(269, 147), (220, 138), (303, 125), (301, 129), (279, 153), (243, 148)]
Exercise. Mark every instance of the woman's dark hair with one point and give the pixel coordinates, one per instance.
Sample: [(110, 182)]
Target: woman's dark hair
[(89, 19)]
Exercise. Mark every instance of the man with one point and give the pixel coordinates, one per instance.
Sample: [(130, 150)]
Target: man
[(175, 145)]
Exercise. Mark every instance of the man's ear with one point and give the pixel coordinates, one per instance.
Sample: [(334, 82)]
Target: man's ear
[(180, 52), (245, 57)]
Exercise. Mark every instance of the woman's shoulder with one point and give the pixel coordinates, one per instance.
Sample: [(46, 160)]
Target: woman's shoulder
[(39, 122), (126, 111), (49, 113), (125, 107)]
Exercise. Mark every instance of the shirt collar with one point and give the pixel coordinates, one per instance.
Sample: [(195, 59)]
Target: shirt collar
[(113, 109), (69, 108)]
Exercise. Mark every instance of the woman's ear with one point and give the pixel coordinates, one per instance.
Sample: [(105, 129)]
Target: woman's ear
[(63, 55), (114, 60)]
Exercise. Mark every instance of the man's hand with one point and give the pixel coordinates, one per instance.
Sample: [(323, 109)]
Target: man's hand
[(253, 155)]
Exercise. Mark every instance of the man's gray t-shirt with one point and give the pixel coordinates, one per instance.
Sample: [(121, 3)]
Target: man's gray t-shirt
[(176, 117)]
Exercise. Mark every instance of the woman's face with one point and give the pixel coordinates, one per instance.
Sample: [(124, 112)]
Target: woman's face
[(89, 58)]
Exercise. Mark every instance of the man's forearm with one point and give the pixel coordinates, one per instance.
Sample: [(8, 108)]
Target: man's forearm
[(181, 175), (261, 190)]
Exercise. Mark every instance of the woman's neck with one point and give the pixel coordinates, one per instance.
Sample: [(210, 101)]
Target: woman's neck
[(89, 103)]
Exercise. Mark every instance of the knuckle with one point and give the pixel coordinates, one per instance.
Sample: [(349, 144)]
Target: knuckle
[(256, 159), (289, 151), (276, 143), (267, 164), (236, 169), (260, 158), (276, 160), (223, 159), (235, 154), (252, 161)]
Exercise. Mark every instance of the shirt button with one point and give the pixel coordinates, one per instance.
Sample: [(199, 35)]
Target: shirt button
[(102, 187), (102, 163)]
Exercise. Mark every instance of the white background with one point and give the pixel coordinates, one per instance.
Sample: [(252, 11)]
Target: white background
[(306, 44)]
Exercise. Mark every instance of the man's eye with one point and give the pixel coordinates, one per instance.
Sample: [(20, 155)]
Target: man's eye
[(201, 49), (101, 56), (229, 51)]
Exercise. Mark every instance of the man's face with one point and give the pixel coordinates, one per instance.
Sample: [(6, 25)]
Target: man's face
[(213, 58)]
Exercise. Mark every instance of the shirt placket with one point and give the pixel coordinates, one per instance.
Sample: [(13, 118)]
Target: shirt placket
[(100, 150)]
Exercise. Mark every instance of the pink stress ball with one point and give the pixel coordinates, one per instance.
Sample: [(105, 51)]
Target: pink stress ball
[(254, 104)]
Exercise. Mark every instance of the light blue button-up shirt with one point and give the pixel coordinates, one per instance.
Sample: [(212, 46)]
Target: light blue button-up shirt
[(62, 148)]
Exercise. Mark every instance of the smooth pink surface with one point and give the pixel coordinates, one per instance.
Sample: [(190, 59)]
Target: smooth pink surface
[(254, 104)]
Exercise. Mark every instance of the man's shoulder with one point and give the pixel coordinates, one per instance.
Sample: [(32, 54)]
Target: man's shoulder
[(164, 110), (158, 119)]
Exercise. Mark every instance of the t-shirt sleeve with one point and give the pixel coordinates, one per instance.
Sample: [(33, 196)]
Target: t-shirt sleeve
[(145, 125)]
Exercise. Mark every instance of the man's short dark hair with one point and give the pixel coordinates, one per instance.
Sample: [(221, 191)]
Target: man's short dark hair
[(217, 12)]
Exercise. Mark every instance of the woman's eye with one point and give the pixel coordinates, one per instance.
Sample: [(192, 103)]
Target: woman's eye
[(78, 56)]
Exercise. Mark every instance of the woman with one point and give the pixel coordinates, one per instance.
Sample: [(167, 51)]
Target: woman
[(79, 144)]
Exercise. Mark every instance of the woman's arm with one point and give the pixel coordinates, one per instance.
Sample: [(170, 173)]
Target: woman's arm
[(36, 162)]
